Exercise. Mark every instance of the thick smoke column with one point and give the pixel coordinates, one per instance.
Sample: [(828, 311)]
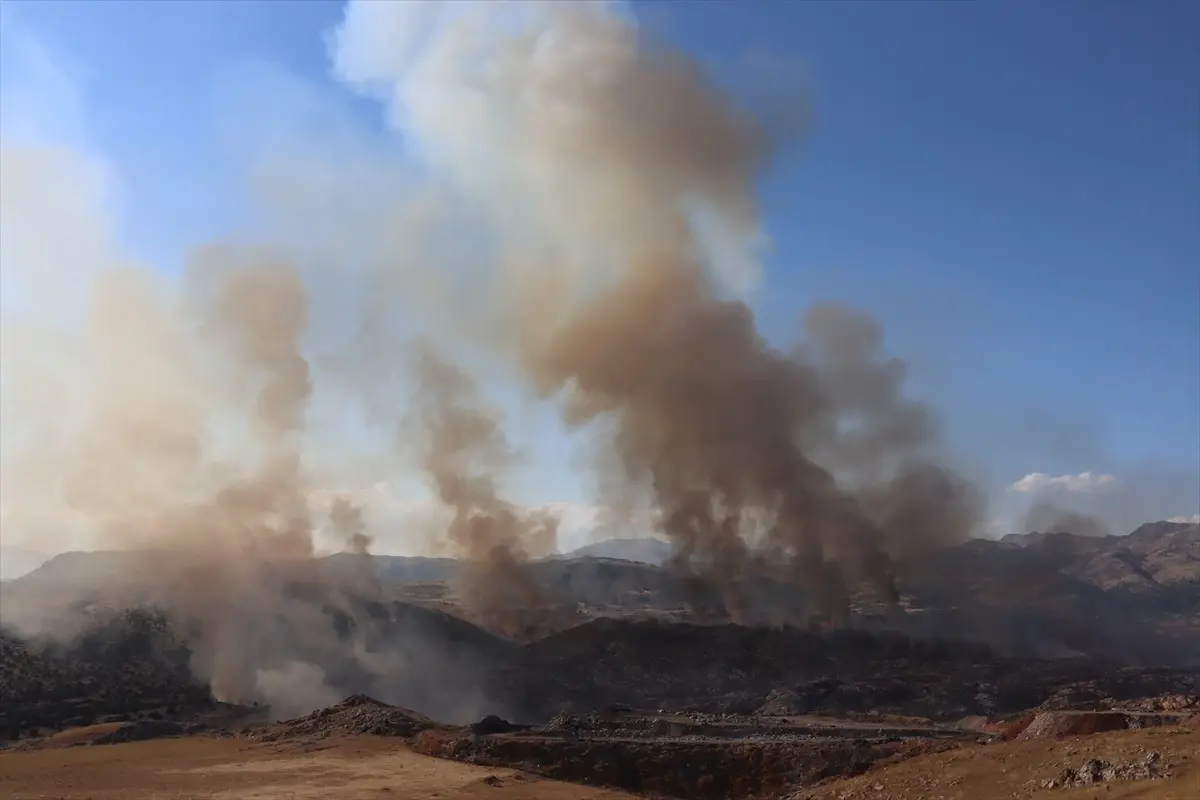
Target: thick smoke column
[(619, 183), (213, 554)]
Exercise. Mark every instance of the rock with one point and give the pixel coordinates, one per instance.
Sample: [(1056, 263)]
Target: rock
[(1058, 725), (354, 716), (1095, 770), (493, 724)]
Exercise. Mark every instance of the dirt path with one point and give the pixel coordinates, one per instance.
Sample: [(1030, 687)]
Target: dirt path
[(191, 769)]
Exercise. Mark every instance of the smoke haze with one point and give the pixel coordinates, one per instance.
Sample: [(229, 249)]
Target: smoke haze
[(600, 190)]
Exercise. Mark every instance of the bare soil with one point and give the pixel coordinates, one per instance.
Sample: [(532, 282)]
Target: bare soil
[(351, 768), (655, 755), (1010, 770)]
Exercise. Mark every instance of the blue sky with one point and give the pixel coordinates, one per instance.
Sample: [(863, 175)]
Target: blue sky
[(1013, 189)]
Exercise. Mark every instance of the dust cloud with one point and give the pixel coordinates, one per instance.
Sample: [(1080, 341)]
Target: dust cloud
[(606, 187)]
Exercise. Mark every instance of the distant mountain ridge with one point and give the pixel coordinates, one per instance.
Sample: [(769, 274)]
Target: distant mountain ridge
[(18, 561), (99, 566), (1133, 596), (1049, 594), (646, 550), (1157, 553), (1162, 553)]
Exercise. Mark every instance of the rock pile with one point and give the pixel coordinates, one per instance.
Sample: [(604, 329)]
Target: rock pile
[(1169, 703), (1129, 690), (492, 724), (356, 715), (1058, 725), (1095, 770)]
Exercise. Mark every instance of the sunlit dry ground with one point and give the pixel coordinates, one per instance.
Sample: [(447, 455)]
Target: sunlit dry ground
[(1016, 770), (230, 769), (382, 769)]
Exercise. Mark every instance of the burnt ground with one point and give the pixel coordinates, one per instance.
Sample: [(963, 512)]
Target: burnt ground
[(125, 665), (694, 755), (130, 664), (734, 669)]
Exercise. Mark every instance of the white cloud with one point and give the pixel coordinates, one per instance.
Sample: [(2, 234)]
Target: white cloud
[(1084, 482), (1194, 519)]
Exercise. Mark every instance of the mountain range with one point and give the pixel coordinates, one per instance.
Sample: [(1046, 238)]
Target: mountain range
[(16, 562), (1050, 593)]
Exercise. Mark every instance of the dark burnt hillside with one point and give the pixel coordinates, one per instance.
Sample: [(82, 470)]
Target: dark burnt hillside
[(1041, 609), (729, 668), (1134, 598), (123, 663)]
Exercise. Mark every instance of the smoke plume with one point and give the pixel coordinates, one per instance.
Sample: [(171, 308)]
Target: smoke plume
[(605, 189), (463, 452), (619, 184)]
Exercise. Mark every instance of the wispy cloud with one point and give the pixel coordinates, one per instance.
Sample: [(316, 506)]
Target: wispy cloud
[(1194, 519), (1083, 483)]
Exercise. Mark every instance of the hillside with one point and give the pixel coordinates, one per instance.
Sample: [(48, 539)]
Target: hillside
[(646, 550), (18, 561), (1134, 597), (1160, 554)]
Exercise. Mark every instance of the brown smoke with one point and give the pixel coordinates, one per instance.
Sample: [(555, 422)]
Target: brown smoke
[(464, 452), (605, 190), (618, 182), (251, 312), (142, 468), (724, 430)]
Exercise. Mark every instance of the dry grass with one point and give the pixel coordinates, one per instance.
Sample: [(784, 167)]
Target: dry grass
[(362, 768)]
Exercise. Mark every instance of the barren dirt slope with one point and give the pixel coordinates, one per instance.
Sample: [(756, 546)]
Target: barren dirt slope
[(230, 769), (1017, 770)]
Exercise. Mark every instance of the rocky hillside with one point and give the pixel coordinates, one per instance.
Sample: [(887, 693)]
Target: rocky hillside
[(122, 663), (1133, 597), (1155, 556), (735, 669), (647, 550)]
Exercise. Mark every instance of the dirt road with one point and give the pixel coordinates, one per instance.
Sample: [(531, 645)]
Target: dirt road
[(230, 769)]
